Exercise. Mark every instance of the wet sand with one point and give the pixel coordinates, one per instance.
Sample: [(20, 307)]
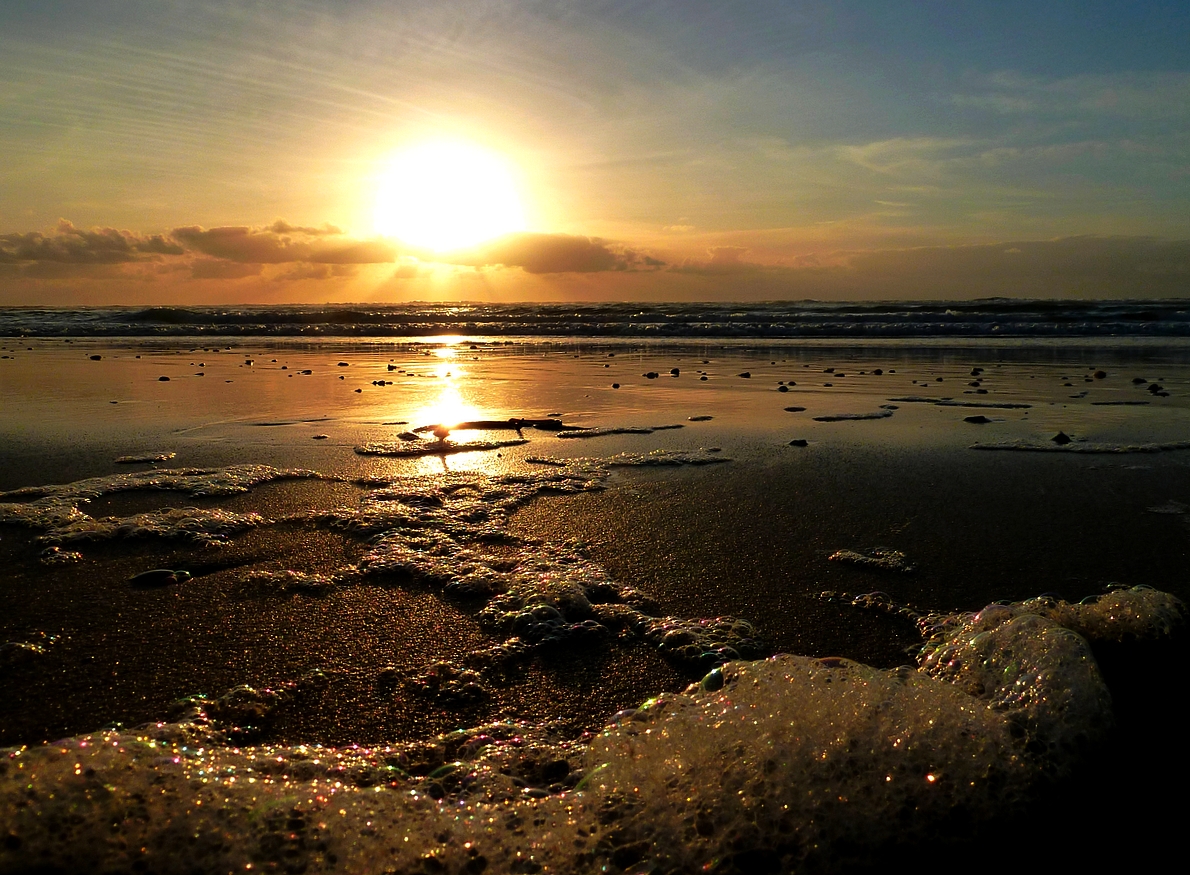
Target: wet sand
[(749, 538)]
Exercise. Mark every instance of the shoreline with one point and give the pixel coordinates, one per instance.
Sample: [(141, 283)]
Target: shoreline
[(349, 659)]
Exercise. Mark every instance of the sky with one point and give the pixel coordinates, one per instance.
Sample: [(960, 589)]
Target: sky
[(215, 152)]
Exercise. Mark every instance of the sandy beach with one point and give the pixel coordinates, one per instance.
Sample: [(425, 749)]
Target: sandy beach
[(796, 478)]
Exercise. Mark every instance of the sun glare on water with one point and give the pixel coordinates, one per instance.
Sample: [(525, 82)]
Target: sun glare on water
[(446, 195)]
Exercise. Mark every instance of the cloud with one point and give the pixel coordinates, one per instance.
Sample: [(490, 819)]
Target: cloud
[(71, 245), (282, 243), (282, 227), (1137, 96), (904, 155), (721, 260), (554, 253), (217, 269), (303, 271), (1071, 267)]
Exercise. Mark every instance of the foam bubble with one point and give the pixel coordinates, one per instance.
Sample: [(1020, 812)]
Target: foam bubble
[(804, 761), (432, 448), (807, 761), (874, 560)]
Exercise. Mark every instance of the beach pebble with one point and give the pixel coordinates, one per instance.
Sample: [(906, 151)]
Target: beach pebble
[(794, 409), (615, 385), (782, 388), (163, 379), (745, 374), (799, 442), (877, 371), (1137, 381), (1061, 438), (344, 365), (652, 375), (320, 437), (159, 577), (978, 419), (1099, 375), (703, 378), (675, 371), (94, 358)]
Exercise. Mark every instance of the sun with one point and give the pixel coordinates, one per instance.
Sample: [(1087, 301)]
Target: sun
[(445, 195)]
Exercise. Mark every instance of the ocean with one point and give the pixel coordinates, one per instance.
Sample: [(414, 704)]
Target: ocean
[(622, 588), (999, 317)]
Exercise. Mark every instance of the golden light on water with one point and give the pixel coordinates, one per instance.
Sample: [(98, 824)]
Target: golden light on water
[(447, 194), (449, 408)]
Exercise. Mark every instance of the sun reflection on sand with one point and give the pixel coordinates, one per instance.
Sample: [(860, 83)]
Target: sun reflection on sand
[(452, 403), (448, 408)]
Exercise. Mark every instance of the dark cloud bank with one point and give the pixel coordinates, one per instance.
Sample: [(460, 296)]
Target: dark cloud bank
[(1086, 267), (226, 252), (1071, 267)]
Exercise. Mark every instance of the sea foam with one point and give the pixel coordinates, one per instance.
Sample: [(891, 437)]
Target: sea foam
[(799, 760), (791, 760)]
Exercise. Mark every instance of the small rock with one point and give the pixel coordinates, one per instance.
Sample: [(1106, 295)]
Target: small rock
[(1099, 375), (978, 419), (675, 371), (344, 365), (799, 442), (163, 379), (159, 577), (782, 388), (1061, 438), (746, 375), (94, 358), (617, 385)]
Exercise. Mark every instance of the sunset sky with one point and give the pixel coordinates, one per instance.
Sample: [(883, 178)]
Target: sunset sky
[(220, 152)]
